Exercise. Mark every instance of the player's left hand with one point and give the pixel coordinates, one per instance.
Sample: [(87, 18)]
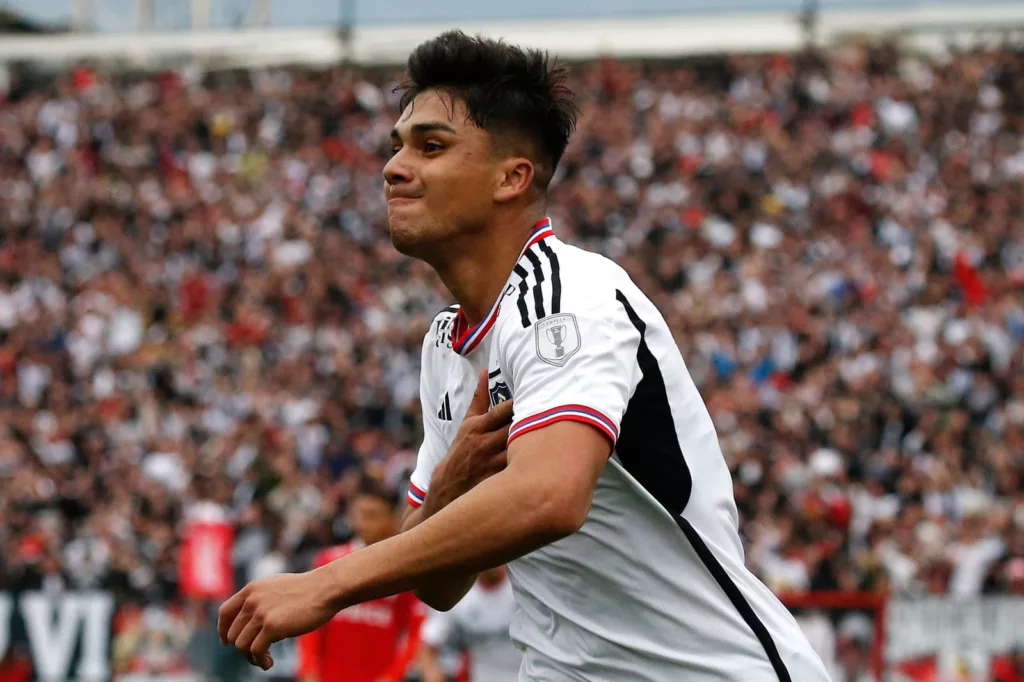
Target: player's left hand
[(269, 610)]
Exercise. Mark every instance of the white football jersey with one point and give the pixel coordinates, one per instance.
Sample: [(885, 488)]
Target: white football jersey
[(479, 626), (653, 587)]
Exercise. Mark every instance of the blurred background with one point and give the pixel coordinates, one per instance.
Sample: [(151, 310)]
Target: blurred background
[(208, 344)]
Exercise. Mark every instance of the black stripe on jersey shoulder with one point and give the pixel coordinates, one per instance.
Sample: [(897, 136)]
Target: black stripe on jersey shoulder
[(649, 449), (556, 277), (491, 375), (524, 313), (546, 269), (538, 281)]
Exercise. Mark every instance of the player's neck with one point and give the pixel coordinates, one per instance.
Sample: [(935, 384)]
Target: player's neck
[(475, 271)]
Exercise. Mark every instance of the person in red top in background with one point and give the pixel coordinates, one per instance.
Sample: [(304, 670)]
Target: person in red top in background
[(371, 642), (1009, 668)]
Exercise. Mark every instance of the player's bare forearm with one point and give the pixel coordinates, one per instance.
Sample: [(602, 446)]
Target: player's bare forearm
[(543, 496), (473, 533), (443, 592)]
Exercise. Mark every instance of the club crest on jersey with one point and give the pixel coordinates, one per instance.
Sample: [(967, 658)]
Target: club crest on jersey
[(558, 338), (500, 392)]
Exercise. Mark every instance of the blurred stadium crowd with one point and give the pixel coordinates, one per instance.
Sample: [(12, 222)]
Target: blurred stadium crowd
[(201, 314)]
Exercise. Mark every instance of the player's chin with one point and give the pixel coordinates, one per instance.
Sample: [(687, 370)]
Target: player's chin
[(408, 238)]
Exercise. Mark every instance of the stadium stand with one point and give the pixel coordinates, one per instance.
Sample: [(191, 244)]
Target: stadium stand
[(206, 338)]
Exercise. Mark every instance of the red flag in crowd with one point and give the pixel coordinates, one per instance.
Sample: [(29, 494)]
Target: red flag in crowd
[(205, 565)]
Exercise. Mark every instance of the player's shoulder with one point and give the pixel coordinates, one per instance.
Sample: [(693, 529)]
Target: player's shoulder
[(446, 313), (590, 277), (438, 337), (556, 278)]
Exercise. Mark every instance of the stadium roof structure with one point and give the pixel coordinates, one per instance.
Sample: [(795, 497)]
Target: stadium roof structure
[(927, 27), (13, 23)]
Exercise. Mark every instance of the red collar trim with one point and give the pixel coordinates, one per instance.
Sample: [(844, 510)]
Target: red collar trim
[(464, 340)]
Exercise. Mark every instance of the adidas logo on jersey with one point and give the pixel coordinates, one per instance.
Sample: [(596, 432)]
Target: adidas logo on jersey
[(445, 413)]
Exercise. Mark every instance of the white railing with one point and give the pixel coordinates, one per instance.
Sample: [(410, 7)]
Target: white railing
[(121, 15)]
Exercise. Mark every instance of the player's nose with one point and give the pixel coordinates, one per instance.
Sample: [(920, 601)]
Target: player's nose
[(397, 171)]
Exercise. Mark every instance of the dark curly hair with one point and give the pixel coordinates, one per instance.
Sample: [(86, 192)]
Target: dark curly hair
[(519, 96)]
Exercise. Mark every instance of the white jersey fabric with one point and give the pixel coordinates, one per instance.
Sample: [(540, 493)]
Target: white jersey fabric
[(653, 587), (478, 625)]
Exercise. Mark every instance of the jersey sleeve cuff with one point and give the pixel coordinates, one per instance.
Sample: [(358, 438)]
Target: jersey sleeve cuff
[(416, 496), (577, 413)]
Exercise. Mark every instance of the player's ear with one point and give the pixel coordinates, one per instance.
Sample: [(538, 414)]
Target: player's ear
[(515, 177)]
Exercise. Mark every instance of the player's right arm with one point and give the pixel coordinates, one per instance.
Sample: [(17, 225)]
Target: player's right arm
[(477, 452)]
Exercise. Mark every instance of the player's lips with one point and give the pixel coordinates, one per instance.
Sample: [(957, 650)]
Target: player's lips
[(398, 196)]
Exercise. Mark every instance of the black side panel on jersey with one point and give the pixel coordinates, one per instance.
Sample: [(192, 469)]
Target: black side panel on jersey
[(647, 445), (649, 450)]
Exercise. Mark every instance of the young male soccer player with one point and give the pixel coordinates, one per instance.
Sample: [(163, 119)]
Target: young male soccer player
[(615, 508)]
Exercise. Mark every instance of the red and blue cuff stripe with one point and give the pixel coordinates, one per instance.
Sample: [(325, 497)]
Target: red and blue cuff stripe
[(416, 496), (578, 413)]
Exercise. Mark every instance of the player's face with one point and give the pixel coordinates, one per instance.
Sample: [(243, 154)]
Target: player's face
[(372, 519), (440, 181)]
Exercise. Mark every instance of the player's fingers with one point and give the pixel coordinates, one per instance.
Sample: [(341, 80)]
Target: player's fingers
[(499, 415), (480, 398), (226, 615), (494, 442), (499, 461), (492, 465), (260, 650), (246, 638), (241, 622)]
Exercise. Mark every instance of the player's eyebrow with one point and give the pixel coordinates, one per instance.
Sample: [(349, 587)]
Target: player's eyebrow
[(423, 129)]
